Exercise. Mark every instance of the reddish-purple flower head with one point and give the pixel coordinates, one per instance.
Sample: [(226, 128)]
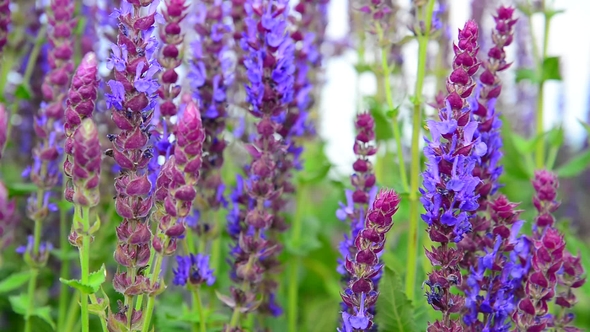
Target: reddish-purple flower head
[(86, 164)]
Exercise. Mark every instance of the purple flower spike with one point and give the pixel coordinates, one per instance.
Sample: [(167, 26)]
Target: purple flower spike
[(364, 265), (269, 93), (86, 164), (80, 103), (4, 22), (132, 99), (448, 194), (3, 128), (193, 269), (7, 217), (210, 76), (551, 265)]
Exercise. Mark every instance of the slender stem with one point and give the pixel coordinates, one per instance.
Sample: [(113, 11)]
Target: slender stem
[(34, 268), (198, 305), (416, 165), (235, 318), (394, 121), (83, 215), (103, 322), (64, 226), (540, 155), (292, 311), (72, 317), (216, 245), (152, 298)]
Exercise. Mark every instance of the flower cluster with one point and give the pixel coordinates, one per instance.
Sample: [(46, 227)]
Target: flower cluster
[(211, 73), (4, 22), (360, 293), (79, 106), (449, 195), (193, 269), (551, 265), (132, 99), (489, 88), (363, 180), (177, 180), (270, 69)]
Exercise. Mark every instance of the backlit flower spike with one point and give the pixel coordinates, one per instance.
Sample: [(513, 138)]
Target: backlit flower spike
[(360, 293), (448, 192)]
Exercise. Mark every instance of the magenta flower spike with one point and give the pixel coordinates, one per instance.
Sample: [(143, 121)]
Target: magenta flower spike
[(86, 164), (3, 128), (4, 23), (361, 294)]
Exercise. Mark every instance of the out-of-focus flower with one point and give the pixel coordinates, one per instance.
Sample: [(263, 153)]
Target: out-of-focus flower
[(4, 22), (3, 128), (193, 269)]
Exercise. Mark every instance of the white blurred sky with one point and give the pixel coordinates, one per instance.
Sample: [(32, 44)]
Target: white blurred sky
[(568, 39)]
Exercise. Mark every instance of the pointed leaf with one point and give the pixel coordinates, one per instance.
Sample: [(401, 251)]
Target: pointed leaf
[(555, 137), (95, 280), (574, 166), (14, 281), (551, 69), (395, 312), (526, 74)]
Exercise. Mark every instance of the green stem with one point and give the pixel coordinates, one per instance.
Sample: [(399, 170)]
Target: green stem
[(64, 226), (198, 305), (413, 241), (394, 121), (83, 215), (540, 155), (34, 268), (235, 318), (72, 313), (152, 298), (297, 226), (216, 245)]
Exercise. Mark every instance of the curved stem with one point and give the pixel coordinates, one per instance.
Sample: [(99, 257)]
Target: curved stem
[(198, 305), (64, 226), (394, 121), (415, 163)]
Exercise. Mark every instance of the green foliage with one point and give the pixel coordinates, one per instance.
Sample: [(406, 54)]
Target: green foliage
[(95, 280), (19, 305), (574, 166), (551, 69), (396, 312), (14, 281)]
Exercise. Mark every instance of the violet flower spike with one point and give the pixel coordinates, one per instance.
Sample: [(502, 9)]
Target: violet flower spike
[(132, 111), (448, 194), (360, 293), (4, 118)]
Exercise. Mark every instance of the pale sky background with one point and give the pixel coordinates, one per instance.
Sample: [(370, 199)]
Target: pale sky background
[(568, 39)]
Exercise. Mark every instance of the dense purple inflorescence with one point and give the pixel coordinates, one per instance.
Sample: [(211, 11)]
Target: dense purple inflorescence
[(270, 69), (132, 99), (210, 76), (4, 23), (364, 265), (449, 195)]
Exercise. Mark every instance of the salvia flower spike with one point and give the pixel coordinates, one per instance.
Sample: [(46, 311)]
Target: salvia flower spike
[(132, 99), (449, 195), (360, 293)]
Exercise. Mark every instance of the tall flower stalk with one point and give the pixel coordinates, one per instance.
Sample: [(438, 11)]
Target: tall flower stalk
[(132, 99), (449, 195), (270, 69), (45, 171), (82, 164)]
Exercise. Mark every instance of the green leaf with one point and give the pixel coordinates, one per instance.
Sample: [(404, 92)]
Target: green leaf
[(555, 137), (22, 92), (513, 159), (14, 281), (526, 74), (395, 311), (20, 303), (551, 69), (574, 166), (20, 189), (523, 145), (95, 280), (587, 128), (315, 164)]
